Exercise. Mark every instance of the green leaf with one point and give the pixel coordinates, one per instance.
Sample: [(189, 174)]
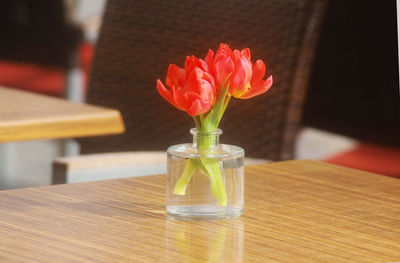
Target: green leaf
[(212, 120)]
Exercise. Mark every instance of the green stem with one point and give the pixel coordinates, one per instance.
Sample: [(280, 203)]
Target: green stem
[(201, 118), (197, 122), (209, 166), (181, 185), (217, 184)]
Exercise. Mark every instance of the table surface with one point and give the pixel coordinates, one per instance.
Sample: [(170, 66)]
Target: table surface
[(296, 211), (29, 116)]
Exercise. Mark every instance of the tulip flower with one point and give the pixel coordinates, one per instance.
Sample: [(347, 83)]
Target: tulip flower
[(191, 89), (246, 80), (203, 89)]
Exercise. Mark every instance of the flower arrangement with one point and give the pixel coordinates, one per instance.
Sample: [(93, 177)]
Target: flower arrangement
[(203, 89)]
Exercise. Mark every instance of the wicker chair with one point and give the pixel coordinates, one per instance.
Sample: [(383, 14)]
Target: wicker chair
[(138, 40)]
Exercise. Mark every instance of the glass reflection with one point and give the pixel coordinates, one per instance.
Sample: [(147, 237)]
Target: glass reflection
[(218, 241)]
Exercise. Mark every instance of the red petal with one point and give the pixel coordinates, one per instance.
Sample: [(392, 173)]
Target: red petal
[(202, 65), (179, 98), (246, 52), (243, 71), (225, 47), (197, 85), (204, 90), (175, 76), (259, 88), (258, 71), (207, 76), (222, 68), (192, 62), (198, 107), (164, 92), (189, 65), (210, 59), (192, 79)]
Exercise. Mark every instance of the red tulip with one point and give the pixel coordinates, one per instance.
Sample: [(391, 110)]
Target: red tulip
[(258, 85), (221, 65), (246, 80), (191, 89)]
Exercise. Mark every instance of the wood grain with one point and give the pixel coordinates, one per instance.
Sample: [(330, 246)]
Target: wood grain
[(29, 116), (296, 211)]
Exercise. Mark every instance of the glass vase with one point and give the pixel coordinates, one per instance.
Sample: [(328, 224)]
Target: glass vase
[(205, 179)]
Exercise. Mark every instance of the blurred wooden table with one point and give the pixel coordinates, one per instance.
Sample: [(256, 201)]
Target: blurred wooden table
[(29, 116), (296, 211)]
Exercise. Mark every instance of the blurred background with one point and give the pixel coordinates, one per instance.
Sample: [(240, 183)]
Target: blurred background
[(351, 110)]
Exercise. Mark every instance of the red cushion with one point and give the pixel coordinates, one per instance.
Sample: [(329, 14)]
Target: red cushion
[(31, 77), (370, 157), (47, 80)]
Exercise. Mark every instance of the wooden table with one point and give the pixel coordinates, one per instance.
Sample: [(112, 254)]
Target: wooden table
[(296, 211), (29, 116)]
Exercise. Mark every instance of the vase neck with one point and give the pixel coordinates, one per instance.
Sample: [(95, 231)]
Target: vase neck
[(205, 140)]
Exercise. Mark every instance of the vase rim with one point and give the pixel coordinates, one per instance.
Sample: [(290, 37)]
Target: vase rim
[(194, 131)]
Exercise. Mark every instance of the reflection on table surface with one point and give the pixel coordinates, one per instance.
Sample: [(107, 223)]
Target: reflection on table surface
[(213, 241)]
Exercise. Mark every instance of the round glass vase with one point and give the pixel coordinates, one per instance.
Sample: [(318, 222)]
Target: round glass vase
[(205, 179)]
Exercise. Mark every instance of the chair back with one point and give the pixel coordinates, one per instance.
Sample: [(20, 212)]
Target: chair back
[(139, 39)]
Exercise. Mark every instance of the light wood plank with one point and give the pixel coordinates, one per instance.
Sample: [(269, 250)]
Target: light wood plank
[(139, 163), (29, 116), (296, 211)]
